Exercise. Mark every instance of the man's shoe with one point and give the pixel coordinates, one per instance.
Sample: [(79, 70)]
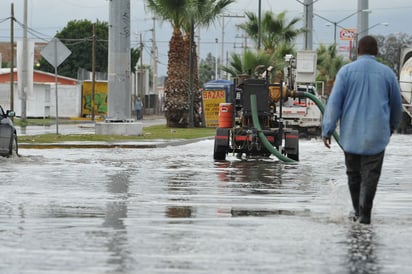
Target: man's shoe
[(354, 216), (365, 220)]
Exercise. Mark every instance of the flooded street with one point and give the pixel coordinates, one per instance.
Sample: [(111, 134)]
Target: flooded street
[(175, 210)]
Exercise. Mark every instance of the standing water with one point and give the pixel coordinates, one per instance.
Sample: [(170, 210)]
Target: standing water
[(175, 210)]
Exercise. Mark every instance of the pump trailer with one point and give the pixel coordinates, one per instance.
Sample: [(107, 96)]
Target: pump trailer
[(251, 125)]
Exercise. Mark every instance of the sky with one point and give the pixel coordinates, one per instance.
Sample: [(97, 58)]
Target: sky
[(46, 17)]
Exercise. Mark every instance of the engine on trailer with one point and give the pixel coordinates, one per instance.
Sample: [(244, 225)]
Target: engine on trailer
[(257, 128), (241, 137)]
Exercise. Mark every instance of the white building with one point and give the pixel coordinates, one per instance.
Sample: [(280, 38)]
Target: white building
[(41, 101)]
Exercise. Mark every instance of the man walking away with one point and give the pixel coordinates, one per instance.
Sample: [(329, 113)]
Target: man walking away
[(366, 100)]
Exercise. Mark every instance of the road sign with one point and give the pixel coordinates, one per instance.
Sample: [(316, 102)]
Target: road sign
[(55, 52), (347, 34)]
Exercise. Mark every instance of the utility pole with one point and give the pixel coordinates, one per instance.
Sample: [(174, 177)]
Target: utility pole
[(259, 24), (24, 70), (119, 94), (93, 69), (191, 76), (154, 60), (363, 19), (222, 53), (223, 42), (216, 59), (308, 11), (140, 92), (308, 24), (12, 58)]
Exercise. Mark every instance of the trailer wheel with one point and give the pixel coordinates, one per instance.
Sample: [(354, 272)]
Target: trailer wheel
[(292, 144), (221, 144), (219, 153), (294, 156)]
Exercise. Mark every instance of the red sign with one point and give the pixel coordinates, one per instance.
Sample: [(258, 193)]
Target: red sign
[(344, 48), (347, 34)]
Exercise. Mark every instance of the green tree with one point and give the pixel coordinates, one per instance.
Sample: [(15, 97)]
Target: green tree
[(181, 14), (201, 13), (248, 62), (277, 38), (390, 48), (77, 36), (135, 55), (275, 30), (328, 65), (176, 102), (207, 69)]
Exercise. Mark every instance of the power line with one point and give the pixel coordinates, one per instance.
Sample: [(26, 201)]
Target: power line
[(33, 32)]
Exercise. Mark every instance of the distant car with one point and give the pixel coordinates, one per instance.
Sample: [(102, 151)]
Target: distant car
[(8, 134)]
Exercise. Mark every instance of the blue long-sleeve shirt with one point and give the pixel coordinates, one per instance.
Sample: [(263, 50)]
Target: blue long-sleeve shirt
[(366, 101)]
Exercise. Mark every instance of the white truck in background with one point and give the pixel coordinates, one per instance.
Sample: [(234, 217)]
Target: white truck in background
[(405, 82), (302, 113)]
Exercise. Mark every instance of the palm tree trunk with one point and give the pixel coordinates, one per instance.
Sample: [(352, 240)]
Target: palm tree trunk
[(197, 100), (176, 101)]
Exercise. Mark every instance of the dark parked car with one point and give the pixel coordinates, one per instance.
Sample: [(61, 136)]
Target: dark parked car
[(8, 134)]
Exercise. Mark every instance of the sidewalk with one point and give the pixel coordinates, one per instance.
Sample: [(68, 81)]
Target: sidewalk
[(81, 126)]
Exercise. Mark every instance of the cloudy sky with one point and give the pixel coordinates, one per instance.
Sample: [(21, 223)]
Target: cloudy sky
[(47, 17)]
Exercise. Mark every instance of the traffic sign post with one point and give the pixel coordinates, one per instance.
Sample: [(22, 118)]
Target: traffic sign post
[(348, 35), (55, 53)]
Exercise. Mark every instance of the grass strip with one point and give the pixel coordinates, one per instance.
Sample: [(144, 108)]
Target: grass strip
[(156, 132)]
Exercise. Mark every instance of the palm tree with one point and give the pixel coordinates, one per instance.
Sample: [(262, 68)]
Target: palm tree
[(181, 14), (201, 13), (277, 36), (247, 62), (329, 63), (275, 30), (176, 85)]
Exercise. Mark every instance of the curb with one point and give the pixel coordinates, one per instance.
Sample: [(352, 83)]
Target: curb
[(94, 145), (105, 145)]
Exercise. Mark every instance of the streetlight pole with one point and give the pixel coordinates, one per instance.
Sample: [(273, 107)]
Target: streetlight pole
[(336, 24), (359, 33), (308, 11)]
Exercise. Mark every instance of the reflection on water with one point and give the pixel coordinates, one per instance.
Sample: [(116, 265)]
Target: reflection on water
[(264, 172), (263, 213), (145, 211), (361, 249), (179, 212), (115, 214)]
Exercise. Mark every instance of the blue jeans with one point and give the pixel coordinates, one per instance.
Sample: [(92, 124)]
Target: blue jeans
[(363, 175), (138, 114)]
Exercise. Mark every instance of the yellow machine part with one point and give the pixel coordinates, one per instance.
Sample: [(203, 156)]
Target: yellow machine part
[(275, 94)]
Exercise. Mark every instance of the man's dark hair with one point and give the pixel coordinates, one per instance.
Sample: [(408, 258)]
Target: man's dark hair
[(368, 45)]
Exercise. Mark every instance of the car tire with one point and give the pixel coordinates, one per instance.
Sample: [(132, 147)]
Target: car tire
[(14, 148)]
